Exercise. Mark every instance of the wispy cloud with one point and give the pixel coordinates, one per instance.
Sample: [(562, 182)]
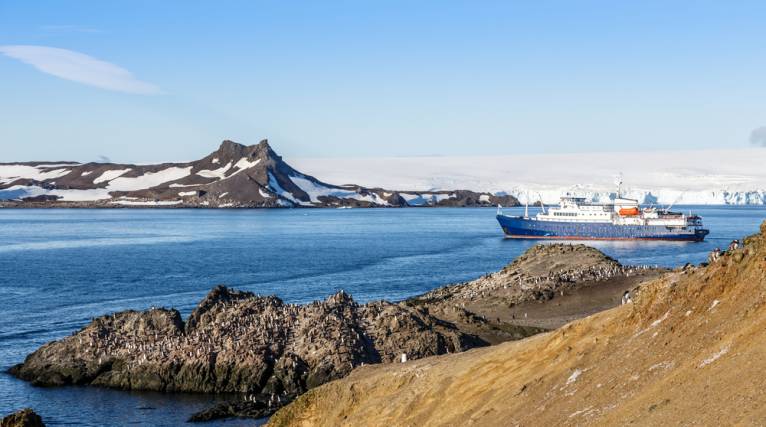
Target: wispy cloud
[(758, 136), (79, 67)]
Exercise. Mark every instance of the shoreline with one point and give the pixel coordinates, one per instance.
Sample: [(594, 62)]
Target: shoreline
[(108, 363)]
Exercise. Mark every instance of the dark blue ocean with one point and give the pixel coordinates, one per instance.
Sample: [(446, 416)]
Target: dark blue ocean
[(59, 268)]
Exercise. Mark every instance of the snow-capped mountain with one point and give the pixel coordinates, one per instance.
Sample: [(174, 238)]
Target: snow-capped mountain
[(712, 177), (233, 176)]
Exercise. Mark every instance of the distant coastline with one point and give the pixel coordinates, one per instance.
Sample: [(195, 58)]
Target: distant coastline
[(234, 176)]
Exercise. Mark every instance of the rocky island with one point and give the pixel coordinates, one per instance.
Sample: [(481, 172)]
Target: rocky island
[(268, 352), (234, 176), (237, 342)]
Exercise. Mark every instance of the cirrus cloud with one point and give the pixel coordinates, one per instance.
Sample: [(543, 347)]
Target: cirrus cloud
[(79, 67)]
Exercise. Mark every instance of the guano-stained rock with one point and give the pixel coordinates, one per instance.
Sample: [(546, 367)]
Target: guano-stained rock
[(237, 342)]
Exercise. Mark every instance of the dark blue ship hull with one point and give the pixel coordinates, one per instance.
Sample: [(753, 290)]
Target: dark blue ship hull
[(525, 228)]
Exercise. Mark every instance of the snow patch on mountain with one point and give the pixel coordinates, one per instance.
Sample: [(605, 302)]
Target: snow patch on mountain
[(10, 173), (243, 164), (110, 175), (281, 192), (22, 191), (219, 173), (316, 190), (149, 179)]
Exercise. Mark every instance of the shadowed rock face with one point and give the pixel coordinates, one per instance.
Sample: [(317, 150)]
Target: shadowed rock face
[(23, 418), (240, 343)]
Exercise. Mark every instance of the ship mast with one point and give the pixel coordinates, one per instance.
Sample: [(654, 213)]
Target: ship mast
[(542, 205), (618, 183)]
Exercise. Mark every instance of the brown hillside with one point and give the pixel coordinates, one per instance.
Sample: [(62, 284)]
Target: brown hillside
[(690, 350)]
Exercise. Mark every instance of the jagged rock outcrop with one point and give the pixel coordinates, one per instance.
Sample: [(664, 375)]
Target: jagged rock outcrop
[(237, 342), (235, 175), (23, 418), (688, 350), (540, 272)]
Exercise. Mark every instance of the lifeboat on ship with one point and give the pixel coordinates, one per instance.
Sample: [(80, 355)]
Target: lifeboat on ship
[(633, 211)]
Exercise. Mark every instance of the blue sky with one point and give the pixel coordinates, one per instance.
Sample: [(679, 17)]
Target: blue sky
[(145, 81)]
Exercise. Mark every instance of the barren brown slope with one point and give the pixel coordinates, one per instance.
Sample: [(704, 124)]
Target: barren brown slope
[(691, 350)]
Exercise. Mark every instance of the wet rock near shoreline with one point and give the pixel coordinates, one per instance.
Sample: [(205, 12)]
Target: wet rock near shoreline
[(252, 406), (238, 342), (23, 418)]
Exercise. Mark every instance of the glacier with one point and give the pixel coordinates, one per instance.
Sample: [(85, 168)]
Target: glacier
[(692, 177)]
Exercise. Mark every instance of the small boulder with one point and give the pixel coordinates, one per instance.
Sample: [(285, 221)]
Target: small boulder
[(23, 418)]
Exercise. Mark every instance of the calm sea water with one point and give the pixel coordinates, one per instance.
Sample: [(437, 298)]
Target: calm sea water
[(59, 268)]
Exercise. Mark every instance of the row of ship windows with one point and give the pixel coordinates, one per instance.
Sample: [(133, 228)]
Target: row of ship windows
[(573, 214)]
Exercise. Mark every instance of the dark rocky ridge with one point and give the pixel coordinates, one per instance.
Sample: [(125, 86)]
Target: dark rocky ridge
[(235, 175), (237, 342)]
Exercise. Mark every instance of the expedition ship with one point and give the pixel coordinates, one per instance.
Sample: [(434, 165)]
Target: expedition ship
[(622, 219)]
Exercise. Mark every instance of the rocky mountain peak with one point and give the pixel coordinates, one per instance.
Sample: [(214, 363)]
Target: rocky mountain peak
[(264, 144), (233, 150)]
